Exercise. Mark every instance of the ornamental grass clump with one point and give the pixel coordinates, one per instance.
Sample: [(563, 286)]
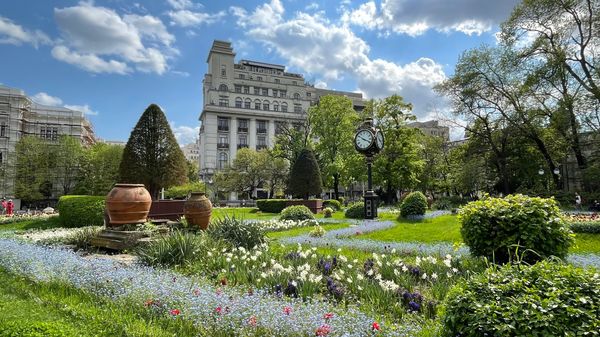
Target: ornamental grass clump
[(546, 299), (327, 212), (177, 249), (237, 232), (297, 212), (502, 229), (414, 205)]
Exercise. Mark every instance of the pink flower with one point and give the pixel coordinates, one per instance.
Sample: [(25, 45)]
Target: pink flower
[(252, 321), (174, 312), (323, 330), (219, 310), (196, 292), (375, 326), (328, 316), (287, 310)]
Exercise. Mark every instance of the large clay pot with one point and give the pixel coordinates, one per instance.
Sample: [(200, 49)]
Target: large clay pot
[(128, 204), (197, 210)]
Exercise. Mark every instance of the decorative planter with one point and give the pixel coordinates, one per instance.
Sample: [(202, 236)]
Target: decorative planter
[(128, 204), (315, 205), (197, 210)]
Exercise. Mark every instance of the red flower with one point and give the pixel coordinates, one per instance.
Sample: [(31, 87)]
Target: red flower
[(287, 310), (148, 303), (174, 312), (219, 310), (328, 316), (323, 330), (375, 326), (252, 321), (196, 292)]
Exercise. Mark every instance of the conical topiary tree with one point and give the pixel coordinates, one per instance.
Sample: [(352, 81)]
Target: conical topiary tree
[(305, 176), (152, 156)]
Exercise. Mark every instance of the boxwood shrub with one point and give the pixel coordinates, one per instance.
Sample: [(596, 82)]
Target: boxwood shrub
[(271, 205), (297, 212), (355, 211), (546, 299), (333, 204), (415, 203), (493, 227), (81, 210), (592, 227)]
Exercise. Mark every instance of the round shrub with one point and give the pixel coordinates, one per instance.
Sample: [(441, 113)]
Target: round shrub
[(317, 232), (297, 212), (271, 205), (355, 211), (546, 299), (81, 210), (414, 203), (334, 204), (327, 212), (493, 227)]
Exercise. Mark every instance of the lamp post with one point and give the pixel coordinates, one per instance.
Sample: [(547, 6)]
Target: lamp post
[(369, 141)]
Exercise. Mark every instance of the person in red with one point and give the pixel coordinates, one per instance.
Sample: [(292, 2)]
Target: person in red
[(9, 207)]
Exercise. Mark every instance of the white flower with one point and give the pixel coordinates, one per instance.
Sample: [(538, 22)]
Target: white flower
[(355, 261), (349, 280), (350, 266), (339, 250), (228, 259), (263, 275), (424, 276), (394, 251), (434, 276), (370, 272), (294, 283), (359, 277), (359, 288), (404, 268), (454, 270), (209, 254)]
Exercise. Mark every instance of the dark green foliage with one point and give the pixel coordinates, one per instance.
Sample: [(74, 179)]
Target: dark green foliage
[(271, 205), (182, 191), (415, 203), (546, 299), (334, 204), (297, 212), (235, 231), (152, 156), (448, 203), (305, 176), (35, 329), (177, 249), (492, 227), (592, 227), (355, 211), (81, 210), (100, 169)]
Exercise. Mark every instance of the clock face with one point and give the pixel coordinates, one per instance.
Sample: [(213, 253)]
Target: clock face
[(379, 140), (363, 139)]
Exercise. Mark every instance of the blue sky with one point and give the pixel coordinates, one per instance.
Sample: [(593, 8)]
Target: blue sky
[(112, 58)]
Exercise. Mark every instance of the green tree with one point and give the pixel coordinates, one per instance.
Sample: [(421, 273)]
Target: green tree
[(193, 171), (333, 125), (277, 174), (305, 176), (247, 172), (291, 139), (152, 156), (100, 169), (32, 168), (69, 156)]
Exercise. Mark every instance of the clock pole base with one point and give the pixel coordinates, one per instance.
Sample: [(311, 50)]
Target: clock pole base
[(371, 200)]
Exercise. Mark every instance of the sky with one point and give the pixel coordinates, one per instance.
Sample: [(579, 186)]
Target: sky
[(113, 58)]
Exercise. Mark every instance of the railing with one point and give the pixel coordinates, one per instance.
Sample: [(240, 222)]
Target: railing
[(241, 146), (261, 130), (222, 145), (223, 128), (242, 129), (260, 147)]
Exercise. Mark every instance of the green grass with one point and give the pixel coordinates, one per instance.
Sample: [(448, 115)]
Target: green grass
[(246, 213), (55, 310), (586, 243), (441, 229), (305, 230), (46, 223)]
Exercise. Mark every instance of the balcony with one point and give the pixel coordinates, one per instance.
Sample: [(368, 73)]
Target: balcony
[(240, 129), (242, 146), (222, 145), (261, 130), (223, 127), (260, 147)]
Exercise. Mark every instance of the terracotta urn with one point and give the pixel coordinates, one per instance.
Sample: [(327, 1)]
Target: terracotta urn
[(128, 204), (197, 210)]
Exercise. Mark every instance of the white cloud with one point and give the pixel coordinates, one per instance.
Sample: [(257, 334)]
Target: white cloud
[(333, 51), (185, 134), (181, 4), (99, 40), (12, 33), (321, 85), (46, 99), (415, 17), (185, 14)]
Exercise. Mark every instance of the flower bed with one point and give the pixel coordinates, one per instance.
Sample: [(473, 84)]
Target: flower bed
[(226, 309), (25, 217)]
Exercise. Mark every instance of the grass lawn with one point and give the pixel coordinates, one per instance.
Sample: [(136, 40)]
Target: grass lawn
[(586, 243), (54, 310), (246, 213), (48, 223), (444, 228), (305, 230)]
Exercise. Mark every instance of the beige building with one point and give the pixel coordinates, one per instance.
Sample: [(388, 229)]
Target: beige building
[(20, 116), (247, 103), (191, 151), (432, 128)]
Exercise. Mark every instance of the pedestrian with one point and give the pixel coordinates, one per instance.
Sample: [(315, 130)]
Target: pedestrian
[(9, 207), (577, 201), (3, 207)]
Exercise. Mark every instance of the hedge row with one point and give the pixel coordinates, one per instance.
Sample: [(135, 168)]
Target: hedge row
[(81, 210), (271, 205), (586, 227)]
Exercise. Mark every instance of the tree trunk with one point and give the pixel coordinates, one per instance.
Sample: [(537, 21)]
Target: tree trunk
[(388, 193), (336, 185), (544, 151)]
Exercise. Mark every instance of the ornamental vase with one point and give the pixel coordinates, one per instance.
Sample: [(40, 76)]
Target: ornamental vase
[(197, 210), (128, 204)]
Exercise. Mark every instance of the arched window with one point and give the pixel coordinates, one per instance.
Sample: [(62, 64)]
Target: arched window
[(223, 87), (247, 103), (222, 160), (275, 106), (238, 102), (257, 104), (296, 96), (284, 107), (266, 105)]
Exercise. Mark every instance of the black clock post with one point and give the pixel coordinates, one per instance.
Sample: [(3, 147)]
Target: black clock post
[(369, 141)]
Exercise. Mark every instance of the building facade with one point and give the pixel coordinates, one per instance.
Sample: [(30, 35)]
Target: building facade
[(247, 103), (191, 152), (432, 128), (20, 116)]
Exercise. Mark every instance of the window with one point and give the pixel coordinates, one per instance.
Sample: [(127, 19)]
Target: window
[(238, 88), (279, 127), (49, 132), (222, 124), (259, 78), (223, 102), (282, 93), (266, 105), (284, 107), (261, 126), (243, 140), (274, 92), (256, 90), (297, 108), (265, 91), (308, 94), (296, 96), (247, 103), (275, 106), (223, 87), (257, 104), (261, 142), (294, 83), (246, 89), (242, 125), (222, 160), (238, 102), (277, 81), (242, 76), (223, 70), (3, 130), (223, 140)]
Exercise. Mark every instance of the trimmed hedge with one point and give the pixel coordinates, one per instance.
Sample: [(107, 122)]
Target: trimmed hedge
[(356, 211), (592, 227), (271, 205), (81, 210), (296, 212), (333, 204), (546, 299), (493, 227), (415, 203)]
